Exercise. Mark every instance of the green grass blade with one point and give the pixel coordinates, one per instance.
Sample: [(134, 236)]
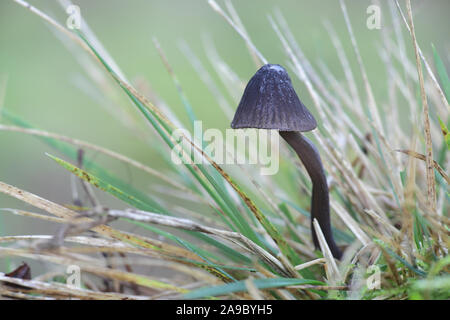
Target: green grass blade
[(100, 184), (227, 251), (239, 286)]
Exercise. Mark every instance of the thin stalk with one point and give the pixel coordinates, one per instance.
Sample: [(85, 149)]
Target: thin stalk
[(320, 201)]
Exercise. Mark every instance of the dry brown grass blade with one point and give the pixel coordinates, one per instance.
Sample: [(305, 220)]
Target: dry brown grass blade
[(35, 215), (331, 268), (61, 291), (351, 223), (423, 158), (386, 223), (6, 294), (431, 187), (96, 267), (63, 212), (310, 263), (91, 245)]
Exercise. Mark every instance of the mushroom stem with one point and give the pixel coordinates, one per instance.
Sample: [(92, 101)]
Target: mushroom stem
[(320, 202)]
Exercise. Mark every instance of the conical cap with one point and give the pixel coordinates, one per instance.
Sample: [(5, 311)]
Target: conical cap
[(270, 102)]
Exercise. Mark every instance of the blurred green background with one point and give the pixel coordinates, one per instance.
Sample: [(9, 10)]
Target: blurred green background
[(40, 72)]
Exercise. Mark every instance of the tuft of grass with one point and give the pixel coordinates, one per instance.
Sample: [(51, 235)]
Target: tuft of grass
[(235, 234)]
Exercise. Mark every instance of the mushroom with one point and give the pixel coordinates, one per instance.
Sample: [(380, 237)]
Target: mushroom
[(270, 102)]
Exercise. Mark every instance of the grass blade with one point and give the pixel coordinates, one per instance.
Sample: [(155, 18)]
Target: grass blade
[(240, 286)]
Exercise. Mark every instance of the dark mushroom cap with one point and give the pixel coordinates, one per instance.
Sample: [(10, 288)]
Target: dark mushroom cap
[(270, 102)]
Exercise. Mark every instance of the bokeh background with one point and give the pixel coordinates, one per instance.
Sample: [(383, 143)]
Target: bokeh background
[(42, 76)]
